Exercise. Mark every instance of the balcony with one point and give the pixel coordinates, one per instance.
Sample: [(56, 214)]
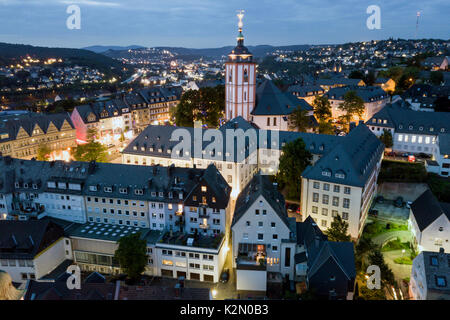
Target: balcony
[(245, 262), (203, 226)]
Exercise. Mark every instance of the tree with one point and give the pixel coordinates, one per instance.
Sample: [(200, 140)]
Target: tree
[(436, 77), (325, 127), (206, 105), (353, 105), (293, 161), (376, 258), (338, 231), (322, 108), (362, 249), (43, 153), (386, 138), (356, 74), (442, 104), (299, 120), (90, 151), (132, 255)]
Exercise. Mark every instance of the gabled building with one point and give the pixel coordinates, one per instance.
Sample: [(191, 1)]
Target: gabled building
[(436, 63), (273, 108), (307, 92), (29, 250), (429, 222), (430, 276), (263, 236), (387, 84), (327, 267), (21, 134), (343, 181)]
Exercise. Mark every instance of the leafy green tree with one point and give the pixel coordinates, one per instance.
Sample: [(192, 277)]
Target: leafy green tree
[(90, 151), (376, 258), (362, 249), (356, 74), (206, 105), (370, 294), (322, 108), (43, 153), (325, 127), (338, 230), (299, 120), (132, 255), (436, 77), (386, 138), (353, 105), (293, 161)]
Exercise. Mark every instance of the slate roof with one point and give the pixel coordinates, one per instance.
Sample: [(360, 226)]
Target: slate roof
[(444, 143), (426, 209), (382, 80), (163, 293), (338, 81), (442, 269), (304, 91), (405, 120), (25, 239), (124, 180), (351, 162), (324, 257), (260, 185), (368, 94), (272, 101), (58, 291), (11, 122)]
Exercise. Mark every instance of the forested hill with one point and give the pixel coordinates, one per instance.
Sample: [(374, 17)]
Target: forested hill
[(10, 53)]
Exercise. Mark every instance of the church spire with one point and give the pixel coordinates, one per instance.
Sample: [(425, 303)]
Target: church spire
[(240, 37)]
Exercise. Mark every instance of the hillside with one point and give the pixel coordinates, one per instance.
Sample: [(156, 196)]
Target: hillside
[(101, 49), (11, 53), (258, 51)]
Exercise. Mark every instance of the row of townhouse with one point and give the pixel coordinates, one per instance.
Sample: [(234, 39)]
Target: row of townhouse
[(160, 198), (268, 247), (260, 150), (132, 111), (184, 212), (22, 132), (416, 132)]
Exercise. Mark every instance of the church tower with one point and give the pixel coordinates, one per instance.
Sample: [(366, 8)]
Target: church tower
[(240, 79)]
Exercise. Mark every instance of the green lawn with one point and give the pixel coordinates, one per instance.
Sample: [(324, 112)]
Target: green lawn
[(376, 228), (395, 245), (403, 260), (398, 171)]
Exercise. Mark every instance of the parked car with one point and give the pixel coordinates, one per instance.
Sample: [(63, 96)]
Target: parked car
[(379, 199), (424, 155), (408, 204), (225, 276), (398, 202)]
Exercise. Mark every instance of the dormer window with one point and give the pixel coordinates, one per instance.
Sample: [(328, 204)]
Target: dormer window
[(123, 190), (25, 185), (410, 127), (203, 188), (35, 186), (170, 195), (107, 189), (420, 128), (139, 192), (442, 129), (431, 129), (17, 185), (92, 188), (400, 126)]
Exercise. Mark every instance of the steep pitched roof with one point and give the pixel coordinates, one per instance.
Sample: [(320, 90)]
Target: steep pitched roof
[(426, 209), (260, 185), (271, 101), (351, 162)]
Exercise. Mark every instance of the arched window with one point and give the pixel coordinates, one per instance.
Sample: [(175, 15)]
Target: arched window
[(245, 75)]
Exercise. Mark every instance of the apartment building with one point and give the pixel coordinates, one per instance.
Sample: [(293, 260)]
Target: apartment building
[(108, 118), (416, 132), (343, 181), (22, 132), (161, 145), (430, 276), (263, 236), (374, 98)]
